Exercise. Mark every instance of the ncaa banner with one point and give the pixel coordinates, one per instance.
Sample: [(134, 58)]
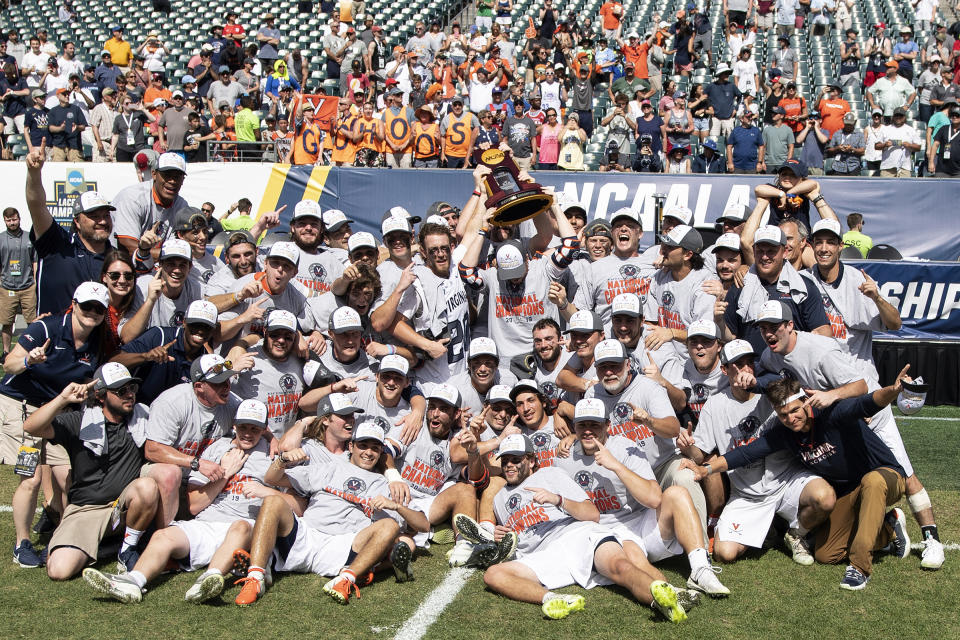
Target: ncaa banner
[(927, 295)]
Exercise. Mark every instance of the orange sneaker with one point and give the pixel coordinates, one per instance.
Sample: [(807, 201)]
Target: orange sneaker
[(339, 589), (250, 592), (365, 580)]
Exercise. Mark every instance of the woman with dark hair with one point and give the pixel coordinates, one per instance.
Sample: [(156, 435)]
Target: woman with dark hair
[(50, 354), (120, 276)]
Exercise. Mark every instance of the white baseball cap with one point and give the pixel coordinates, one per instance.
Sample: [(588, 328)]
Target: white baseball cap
[(683, 214), (735, 213), (252, 412), (626, 304), (395, 363), (281, 319), (499, 393), (345, 319), (706, 328), (286, 250), (684, 237), (775, 312), (210, 368), (727, 241), (584, 321), (828, 225), (175, 248), (768, 234), (445, 393), (515, 444), (113, 375), (171, 161), (361, 239), (913, 396), (92, 292), (391, 224), (91, 201), (368, 430), (437, 219), (510, 261), (202, 312), (609, 351), (334, 218), (589, 410), (625, 212), (337, 403), (734, 350), (482, 347), (306, 209)]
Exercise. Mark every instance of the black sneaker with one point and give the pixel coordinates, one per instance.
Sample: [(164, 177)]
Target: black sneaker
[(47, 522), (26, 556), (127, 560), (400, 557)]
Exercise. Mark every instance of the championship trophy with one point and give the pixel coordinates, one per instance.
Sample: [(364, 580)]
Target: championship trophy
[(514, 201)]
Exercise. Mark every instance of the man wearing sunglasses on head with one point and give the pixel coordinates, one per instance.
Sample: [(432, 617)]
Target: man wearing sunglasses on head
[(107, 497)]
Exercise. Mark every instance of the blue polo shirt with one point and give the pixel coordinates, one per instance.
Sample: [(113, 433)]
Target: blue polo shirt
[(745, 142), (42, 382), (807, 316), (157, 377), (63, 264)]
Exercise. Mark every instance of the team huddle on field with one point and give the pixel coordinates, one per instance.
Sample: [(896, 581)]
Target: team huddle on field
[(562, 407)]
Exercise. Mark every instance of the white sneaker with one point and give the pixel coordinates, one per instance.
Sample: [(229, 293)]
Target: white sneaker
[(798, 547), (932, 554), (206, 587), (705, 579), (461, 553), (119, 587)]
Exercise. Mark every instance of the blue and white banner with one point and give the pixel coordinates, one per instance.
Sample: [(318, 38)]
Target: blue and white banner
[(927, 295)]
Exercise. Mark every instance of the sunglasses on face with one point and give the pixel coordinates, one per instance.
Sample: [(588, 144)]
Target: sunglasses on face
[(117, 275), (439, 250), (92, 307), (128, 389)]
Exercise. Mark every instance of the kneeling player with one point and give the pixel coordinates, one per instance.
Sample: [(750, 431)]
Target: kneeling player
[(776, 485), (616, 475), (225, 509), (350, 523), (560, 542)]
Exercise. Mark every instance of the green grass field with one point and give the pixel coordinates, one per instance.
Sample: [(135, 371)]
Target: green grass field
[(772, 597)]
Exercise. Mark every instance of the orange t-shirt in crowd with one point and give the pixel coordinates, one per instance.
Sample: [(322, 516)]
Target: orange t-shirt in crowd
[(638, 56), (611, 18), (458, 133), (426, 140), (344, 149), (492, 68), (368, 134), (832, 112), (793, 107)]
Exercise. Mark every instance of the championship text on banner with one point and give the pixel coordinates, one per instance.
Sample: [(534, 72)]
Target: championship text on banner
[(927, 295)]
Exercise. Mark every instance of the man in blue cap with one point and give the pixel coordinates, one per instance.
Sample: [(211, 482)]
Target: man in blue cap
[(709, 159)]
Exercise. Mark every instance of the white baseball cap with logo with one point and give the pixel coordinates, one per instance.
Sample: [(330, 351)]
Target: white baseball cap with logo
[(176, 248), (445, 393), (345, 319), (827, 225), (705, 328), (286, 250), (768, 234), (609, 351), (171, 162), (729, 241), (334, 219), (625, 212), (306, 209), (252, 412), (589, 410), (113, 376), (337, 403), (483, 347), (201, 312), (281, 319), (361, 239), (626, 304), (91, 201), (368, 430), (734, 350), (394, 363), (584, 321), (510, 264), (677, 212), (515, 444), (92, 292), (392, 224), (775, 312), (913, 396), (499, 393)]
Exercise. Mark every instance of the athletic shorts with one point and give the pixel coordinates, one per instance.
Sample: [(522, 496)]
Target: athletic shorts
[(884, 425), (306, 550), (568, 560), (423, 504), (205, 538), (645, 527), (746, 521)]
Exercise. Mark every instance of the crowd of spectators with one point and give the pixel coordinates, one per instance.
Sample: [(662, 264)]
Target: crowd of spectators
[(545, 100)]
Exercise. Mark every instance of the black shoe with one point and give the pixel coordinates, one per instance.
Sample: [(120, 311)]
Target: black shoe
[(400, 557), (47, 522)]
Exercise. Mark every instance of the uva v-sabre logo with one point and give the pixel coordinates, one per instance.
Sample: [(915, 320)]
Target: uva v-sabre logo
[(583, 479), (668, 299), (288, 382), (540, 440), (513, 503), (629, 271), (354, 485), (65, 192), (749, 425)]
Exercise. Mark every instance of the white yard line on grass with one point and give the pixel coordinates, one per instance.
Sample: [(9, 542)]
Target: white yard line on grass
[(947, 546), (430, 609), (926, 418)]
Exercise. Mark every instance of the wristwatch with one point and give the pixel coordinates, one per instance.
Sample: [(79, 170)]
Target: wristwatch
[(195, 464)]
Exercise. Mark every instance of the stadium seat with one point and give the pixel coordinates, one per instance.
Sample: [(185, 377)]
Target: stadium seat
[(850, 253), (883, 252)]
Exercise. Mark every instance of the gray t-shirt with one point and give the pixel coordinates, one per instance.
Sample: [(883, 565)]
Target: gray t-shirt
[(17, 255), (519, 134), (317, 271), (175, 123), (178, 419), (277, 384), (425, 463), (470, 398), (776, 141), (137, 211), (611, 276), (220, 92), (230, 504), (166, 312), (701, 387)]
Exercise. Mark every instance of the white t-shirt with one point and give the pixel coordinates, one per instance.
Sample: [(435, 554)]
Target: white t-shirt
[(699, 387), (898, 156), (676, 304), (166, 312)]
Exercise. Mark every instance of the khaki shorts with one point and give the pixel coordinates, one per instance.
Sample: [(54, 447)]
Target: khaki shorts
[(23, 301), (84, 527), (720, 127), (12, 436), (61, 154)]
